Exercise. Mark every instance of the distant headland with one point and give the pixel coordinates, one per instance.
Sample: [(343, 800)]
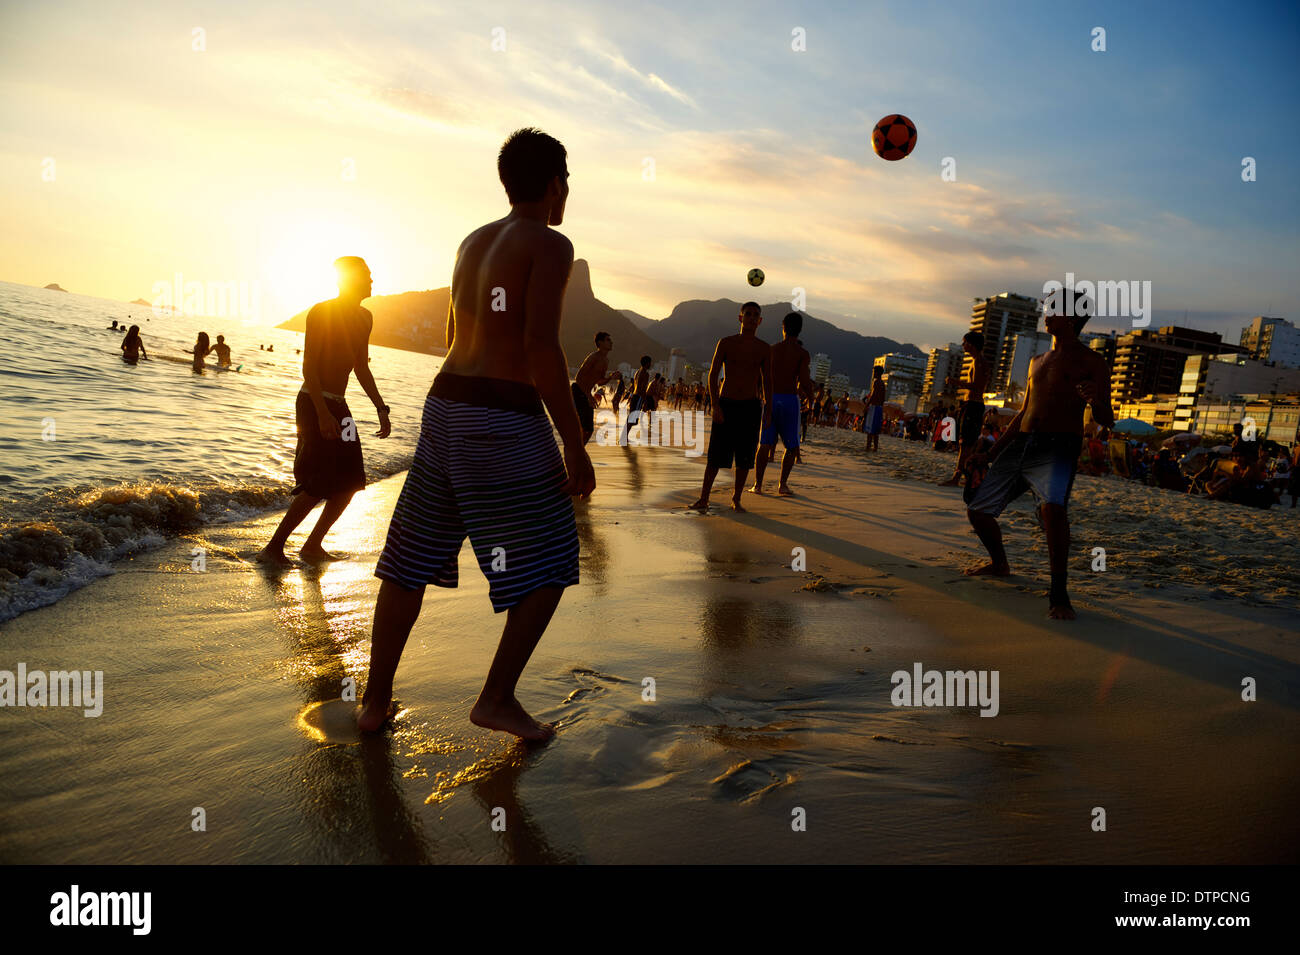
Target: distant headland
[(54, 286)]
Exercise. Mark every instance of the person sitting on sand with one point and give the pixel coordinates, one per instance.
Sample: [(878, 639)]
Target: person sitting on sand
[(739, 410), (1040, 447), (223, 351), (486, 464), (327, 464), (791, 385), (132, 346), (591, 374)]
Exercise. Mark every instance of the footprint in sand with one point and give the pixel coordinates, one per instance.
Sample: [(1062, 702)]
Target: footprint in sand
[(332, 721)]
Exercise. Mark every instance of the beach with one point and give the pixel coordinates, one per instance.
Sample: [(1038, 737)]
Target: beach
[(771, 688)]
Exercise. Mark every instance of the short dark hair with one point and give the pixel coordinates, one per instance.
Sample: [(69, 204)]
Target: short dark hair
[(645, 361), (877, 371), (601, 336), (754, 304), (793, 323), (527, 163), (976, 339)]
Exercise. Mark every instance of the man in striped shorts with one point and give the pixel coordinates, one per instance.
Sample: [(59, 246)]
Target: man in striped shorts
[(487, 466)]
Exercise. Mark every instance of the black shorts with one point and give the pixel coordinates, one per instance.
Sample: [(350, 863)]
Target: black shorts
[(736, 436), (586, 414), (323, 468), (970, 422)]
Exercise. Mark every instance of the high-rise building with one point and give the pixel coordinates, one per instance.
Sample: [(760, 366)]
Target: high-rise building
[(942, 372), (820, 368), (1217, 379), (1151, 363), (903, 374), (1272, 339), (998, 318), (1103, 343), (837, 384), (676, 360)]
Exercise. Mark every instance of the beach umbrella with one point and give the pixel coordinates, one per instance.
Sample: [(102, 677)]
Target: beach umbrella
[(1181, 438), (1133, 426)]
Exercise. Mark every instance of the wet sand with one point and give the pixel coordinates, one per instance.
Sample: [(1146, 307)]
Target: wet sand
[(772, 694)]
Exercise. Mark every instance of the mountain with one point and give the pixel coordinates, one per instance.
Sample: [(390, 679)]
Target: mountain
[(416, 321), (646, 325), (54, 287), (696, 326)]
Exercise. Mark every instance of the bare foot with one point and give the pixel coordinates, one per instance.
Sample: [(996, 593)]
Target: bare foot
[(510, 718), (755, 488), (701, 505), (784, 491), (273, 556), (374, 717), (318, 555), (988, 570), (1061, 611), (735, 506)]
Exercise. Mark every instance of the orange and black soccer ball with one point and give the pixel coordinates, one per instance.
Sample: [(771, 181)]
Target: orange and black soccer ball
[(894, 137)]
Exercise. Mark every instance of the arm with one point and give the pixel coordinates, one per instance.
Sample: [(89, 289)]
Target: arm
[(366, 379), (451, 322), (1102, 413), (805, 378), (765, 384), (548, 367), (715, 367)]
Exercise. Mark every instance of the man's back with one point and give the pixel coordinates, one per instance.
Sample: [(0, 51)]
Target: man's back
[(787, 358), (333, 339), (493, 267)]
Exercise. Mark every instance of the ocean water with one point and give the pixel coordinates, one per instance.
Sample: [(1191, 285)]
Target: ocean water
[(100, 460)]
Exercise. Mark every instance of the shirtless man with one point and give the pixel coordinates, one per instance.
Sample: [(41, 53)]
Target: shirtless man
[(738, 409), (970, 409), (791, 383), (327, 464), (1040, 447), (593, 372), (223, 351), (640, 395), (486, 465)]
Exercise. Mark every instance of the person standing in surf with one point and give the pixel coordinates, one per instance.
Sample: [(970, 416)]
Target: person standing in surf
[(132, 347), (327, 464), (592, 373), (792, 386), (1039, 451), (487, 466), (741, 407)]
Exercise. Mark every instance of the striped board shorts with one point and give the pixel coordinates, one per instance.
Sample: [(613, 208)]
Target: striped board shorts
[(486, 467)]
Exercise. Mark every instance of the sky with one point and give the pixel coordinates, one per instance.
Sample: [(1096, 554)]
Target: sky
[(135, 148)]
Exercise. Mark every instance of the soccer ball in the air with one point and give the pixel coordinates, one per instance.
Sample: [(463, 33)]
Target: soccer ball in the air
[(894, 137), (756, 276)]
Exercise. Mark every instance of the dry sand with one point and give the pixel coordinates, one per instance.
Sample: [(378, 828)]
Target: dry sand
[(772, 695)]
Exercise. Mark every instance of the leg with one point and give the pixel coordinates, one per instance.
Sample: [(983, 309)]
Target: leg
[(765, 453), (331, 512), (299, 508), (710, 474), (1056, 526), (787, 465), (396, 611), (990, 535), (741, 474), (497, 707)]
